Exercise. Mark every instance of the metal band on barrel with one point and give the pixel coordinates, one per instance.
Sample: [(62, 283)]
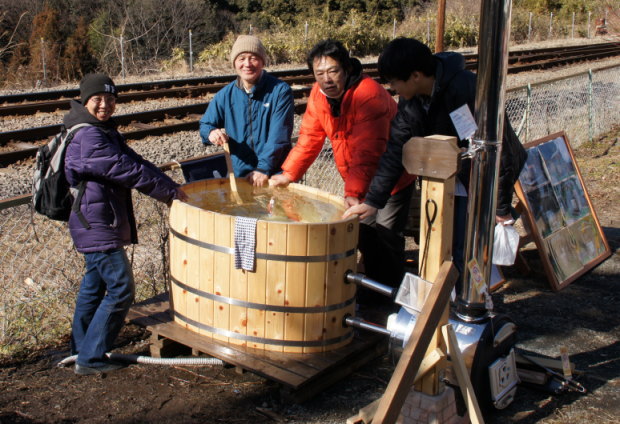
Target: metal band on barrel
[(266, 256), (290, 343), (262, 306)]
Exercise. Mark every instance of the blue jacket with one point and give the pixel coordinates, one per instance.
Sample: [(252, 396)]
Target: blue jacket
[(259, 124), (100, 156)]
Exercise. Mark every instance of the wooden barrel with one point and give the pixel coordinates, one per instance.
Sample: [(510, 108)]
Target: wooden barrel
[(296, 298)]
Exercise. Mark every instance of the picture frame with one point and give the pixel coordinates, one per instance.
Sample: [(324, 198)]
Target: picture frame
[(558, 212)]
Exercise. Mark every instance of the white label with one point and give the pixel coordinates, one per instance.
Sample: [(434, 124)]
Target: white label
[(565, 362), (475, 274), (464, 122)]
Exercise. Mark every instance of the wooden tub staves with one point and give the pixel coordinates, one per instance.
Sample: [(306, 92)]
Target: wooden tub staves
[(296, 297)]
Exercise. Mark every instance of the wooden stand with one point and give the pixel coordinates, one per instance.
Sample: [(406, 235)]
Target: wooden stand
[(435, 159), (301, 376)]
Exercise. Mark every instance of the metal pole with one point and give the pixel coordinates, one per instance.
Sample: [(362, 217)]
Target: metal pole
[(486, 148), (590, 107), (529, 28), (394, 29), (550, 24), (122, 58), (441, 25), (306, 32), (356, 322), (191, 53), (363, 281), (528, 111), (572, 31), (589, 15), (43, 60), (428, 30)]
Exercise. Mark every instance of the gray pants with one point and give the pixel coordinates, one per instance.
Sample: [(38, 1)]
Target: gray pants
[(382, 241)]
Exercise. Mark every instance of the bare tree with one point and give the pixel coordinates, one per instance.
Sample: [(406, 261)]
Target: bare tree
[(150, 29), (7, 37)]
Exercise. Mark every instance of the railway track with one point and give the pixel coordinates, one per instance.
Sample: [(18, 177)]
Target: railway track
[(184, 118)]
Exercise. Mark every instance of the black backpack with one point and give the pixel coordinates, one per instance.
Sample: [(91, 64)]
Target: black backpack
[(51, 194)]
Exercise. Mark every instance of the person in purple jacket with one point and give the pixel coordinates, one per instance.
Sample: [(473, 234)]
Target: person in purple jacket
[(99, 161)]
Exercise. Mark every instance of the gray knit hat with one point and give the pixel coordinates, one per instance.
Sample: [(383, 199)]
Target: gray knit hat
[(93, 84), (248, 44)]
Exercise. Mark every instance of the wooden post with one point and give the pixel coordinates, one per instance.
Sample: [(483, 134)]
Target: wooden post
[(437, 201), (434, 158), (441, 25)]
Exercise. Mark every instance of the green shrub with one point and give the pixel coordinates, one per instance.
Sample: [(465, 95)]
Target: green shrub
[(359, 33), (460, 32), (177, 59)]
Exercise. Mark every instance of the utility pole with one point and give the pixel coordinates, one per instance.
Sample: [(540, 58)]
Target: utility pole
[(441, 24)]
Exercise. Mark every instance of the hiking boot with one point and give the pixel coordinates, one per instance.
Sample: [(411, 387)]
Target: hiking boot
[(112, 366)]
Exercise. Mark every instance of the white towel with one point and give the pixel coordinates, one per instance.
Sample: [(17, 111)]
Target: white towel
[(245, 243)]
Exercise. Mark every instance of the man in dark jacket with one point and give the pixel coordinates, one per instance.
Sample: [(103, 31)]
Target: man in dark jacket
[(441, 84), (99, 158)]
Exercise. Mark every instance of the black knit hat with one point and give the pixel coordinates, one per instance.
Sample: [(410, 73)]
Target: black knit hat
[(93, 84)]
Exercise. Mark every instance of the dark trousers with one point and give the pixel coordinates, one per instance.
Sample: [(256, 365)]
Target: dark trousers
[(382, 242)]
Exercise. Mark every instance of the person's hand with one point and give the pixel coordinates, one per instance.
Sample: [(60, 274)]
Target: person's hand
[(363, 210), (218, 136), (504, 219), (351, 201), (180, 195), (279, 180), (257, 179)]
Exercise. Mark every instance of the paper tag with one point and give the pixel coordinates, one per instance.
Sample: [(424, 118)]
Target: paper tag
[(464, 122), (476, 275), (565, 363)]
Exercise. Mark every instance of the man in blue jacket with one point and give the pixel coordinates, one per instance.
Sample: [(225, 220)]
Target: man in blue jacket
[(99, 160), (253, 114)]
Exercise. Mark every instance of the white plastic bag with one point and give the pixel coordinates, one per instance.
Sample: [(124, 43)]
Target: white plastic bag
[(505, 245)]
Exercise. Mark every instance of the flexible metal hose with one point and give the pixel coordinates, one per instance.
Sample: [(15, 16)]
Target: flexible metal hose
[(148, 360)]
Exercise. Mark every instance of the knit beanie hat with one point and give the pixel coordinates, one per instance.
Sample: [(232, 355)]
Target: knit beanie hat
[(248, 44), (92, 84)]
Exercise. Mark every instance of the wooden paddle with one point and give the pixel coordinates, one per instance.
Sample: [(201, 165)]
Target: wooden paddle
[(231, 175)]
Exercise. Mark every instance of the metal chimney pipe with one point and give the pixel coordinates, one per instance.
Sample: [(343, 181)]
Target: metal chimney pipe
[(486, 149)]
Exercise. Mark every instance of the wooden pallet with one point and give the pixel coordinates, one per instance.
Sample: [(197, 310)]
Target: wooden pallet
[(301, 376)]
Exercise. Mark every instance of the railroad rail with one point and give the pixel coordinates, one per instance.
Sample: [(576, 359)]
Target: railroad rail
[(184, 118), (519, 61)]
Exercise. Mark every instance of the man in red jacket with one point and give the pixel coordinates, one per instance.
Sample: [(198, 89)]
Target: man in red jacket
[(354, 112)]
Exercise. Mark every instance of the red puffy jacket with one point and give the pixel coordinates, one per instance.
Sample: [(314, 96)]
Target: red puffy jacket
[(359, 136)]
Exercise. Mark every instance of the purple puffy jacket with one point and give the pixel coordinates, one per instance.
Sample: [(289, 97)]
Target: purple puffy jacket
[(100, 155)]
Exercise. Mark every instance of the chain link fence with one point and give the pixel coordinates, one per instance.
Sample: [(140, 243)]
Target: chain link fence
[(583, 106), (41, 271)]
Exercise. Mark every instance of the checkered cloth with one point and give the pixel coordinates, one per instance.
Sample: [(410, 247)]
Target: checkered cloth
[(245, 243)]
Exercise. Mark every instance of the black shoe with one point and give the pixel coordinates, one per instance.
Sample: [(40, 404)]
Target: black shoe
[(112, 366)]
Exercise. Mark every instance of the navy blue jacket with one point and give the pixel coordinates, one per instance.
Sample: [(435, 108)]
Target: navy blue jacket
[(259, 124), (99, 155)]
